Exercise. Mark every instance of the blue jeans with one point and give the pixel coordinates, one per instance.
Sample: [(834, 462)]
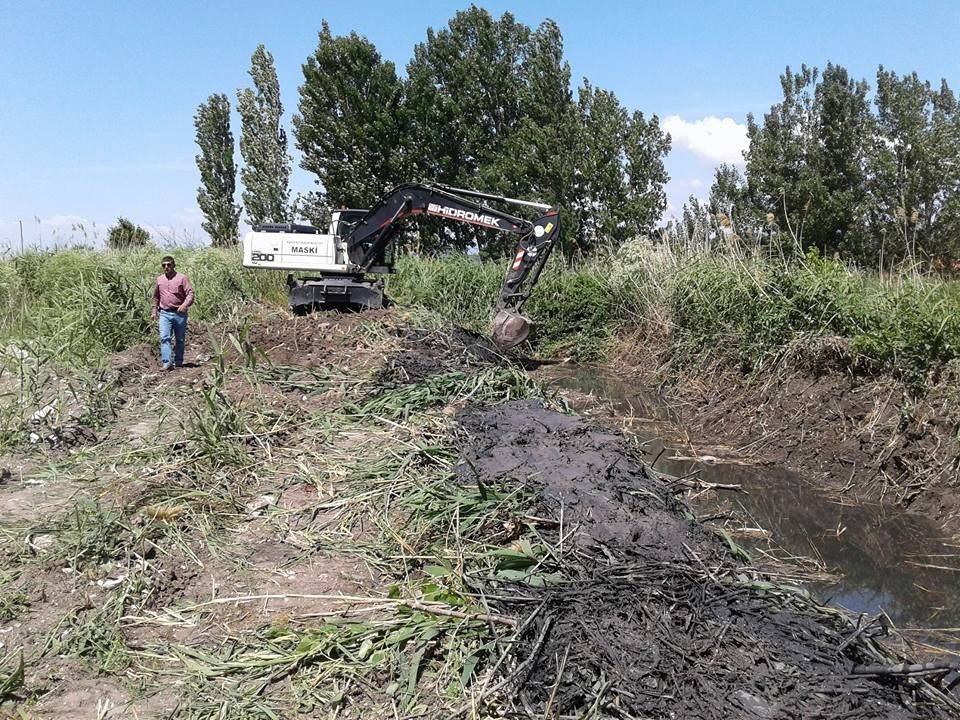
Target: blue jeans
[(173, 325)]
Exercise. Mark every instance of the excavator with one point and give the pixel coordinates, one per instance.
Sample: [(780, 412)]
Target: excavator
[(344, 263)]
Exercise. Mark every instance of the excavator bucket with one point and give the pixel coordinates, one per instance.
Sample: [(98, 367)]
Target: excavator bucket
[(510, 328)]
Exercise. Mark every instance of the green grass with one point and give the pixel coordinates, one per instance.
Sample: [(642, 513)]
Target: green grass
[(757, 310), (63, 312), (75, 306), (747, 308)]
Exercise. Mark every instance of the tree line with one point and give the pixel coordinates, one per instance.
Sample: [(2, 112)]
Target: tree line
[(485, 103), (874, 180), (872, 174)]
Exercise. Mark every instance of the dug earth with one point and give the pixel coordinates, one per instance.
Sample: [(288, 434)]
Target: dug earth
[(379, 515)]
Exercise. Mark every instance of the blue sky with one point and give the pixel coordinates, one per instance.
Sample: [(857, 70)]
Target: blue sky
[(97, 98)]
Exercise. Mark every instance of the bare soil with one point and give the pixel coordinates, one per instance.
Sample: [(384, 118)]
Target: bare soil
[(868, 437)]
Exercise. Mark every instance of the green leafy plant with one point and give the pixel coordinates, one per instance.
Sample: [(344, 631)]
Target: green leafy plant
[(125, 235)]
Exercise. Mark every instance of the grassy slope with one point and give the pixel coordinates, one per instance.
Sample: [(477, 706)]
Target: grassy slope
[(74, 306)]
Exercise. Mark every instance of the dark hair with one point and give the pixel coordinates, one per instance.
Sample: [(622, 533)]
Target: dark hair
[(167, 258)]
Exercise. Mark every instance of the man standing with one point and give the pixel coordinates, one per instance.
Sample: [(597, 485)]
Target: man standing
[(172, 295)]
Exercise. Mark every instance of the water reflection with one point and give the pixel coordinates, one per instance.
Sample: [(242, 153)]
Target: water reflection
[(878, 552)]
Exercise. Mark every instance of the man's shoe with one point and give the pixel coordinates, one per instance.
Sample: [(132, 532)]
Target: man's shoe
[(166, 366)]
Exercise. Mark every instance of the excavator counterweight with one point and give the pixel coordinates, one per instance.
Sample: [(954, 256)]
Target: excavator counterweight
[(360, 243)]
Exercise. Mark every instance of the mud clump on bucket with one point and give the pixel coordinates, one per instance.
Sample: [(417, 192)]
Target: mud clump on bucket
[(646, 612)]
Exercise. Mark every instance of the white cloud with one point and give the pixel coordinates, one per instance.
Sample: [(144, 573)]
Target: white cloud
[(718, 140)]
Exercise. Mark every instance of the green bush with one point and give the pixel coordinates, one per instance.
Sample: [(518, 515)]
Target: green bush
[(756, 309), (77, 305), (747, 309), (576, 312), (125, 235)]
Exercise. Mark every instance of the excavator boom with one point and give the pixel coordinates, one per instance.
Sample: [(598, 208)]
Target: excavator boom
[(366, 248)]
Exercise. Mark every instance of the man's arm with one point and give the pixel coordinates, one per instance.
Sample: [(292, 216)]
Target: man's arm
[(190, 297)]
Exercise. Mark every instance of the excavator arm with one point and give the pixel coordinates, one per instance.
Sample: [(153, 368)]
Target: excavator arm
[(370, 238)]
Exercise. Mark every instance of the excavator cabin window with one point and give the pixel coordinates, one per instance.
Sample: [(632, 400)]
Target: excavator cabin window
[(347, 221)]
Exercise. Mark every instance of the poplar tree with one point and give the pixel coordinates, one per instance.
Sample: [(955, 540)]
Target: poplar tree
[(915, 172), (218, 173), (645, 147), (806, 162), (263, 144), (600, 194), (465, 94), (350, 122)]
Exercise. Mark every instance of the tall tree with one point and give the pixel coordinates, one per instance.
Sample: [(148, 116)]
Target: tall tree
[(806, 161), (464, 93), (600, 194), (839, 152), (263, 144), (915, 174), (350, 125), (728, 195), (487, 104), (645, 145), (535, 162), (619, 175), (529, 163), (218, 173)]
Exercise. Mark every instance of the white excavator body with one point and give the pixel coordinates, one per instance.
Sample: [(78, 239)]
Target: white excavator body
[(348, 264), (302, 248)]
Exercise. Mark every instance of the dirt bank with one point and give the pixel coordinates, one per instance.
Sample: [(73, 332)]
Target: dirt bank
[(869, 437)]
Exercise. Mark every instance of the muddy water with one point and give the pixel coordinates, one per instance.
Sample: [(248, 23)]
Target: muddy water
[(879, 557)]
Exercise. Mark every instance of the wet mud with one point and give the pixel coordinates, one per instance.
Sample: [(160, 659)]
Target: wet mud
[(650, 614), (862, 555), (423, 354)]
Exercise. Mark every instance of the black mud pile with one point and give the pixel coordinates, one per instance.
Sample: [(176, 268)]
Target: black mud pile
[(424, 354), (655, 615)]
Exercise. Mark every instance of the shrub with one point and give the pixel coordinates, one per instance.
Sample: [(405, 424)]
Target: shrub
[(77, 305), (125, 235)]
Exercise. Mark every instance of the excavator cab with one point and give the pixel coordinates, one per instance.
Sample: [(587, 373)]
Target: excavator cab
[(343, 221)]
